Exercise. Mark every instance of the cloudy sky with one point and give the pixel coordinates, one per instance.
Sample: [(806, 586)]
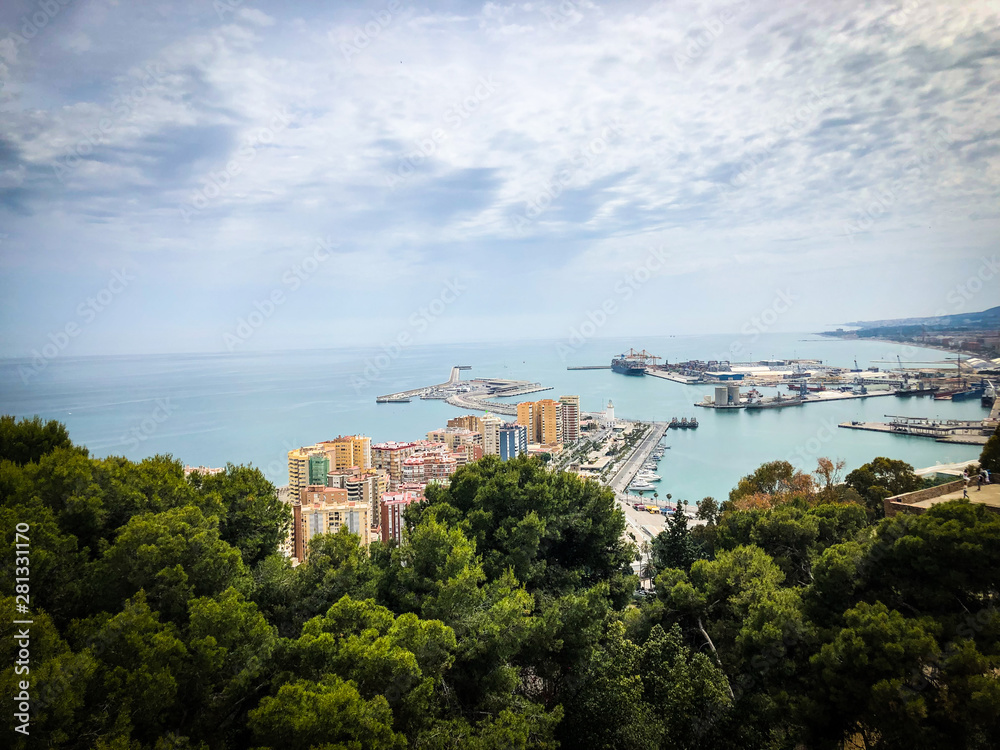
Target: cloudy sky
[(197, 176)]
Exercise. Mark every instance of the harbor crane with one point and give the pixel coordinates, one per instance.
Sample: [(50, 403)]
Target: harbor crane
[(957, 360)]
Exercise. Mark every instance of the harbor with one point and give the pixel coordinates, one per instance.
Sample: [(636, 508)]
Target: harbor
[(475, 394)]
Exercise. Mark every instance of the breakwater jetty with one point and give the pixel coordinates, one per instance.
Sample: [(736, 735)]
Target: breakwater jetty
[(475, 394)]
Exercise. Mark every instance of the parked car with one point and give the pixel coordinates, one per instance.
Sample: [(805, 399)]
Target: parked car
[(639, 506), (653, 509)]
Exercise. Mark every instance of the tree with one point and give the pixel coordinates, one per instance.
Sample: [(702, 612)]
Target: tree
[(882, 478), (328, 713), (27, 440), (989, 459), (607, 711), (674, 547), (254, 520), (771, 484), (685, 690), (174, 556), (556, 532), (861, 675), (709, 510)]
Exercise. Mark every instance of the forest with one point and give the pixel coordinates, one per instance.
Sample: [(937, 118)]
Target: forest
[(796, 616)]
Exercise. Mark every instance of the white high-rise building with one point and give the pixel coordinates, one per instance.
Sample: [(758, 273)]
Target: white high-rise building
[(491, 435)]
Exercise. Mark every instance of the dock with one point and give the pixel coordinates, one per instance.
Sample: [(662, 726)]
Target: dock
[(673, 376), (476, 394), (405, 396), (590, 367), (812, 398), (963, 432)]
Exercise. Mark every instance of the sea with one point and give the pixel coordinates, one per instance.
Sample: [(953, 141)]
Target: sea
[(253, 407)]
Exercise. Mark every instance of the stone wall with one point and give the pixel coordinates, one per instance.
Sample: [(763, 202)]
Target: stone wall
[(900, 503)]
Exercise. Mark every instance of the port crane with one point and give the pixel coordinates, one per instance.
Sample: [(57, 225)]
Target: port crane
[(643, 356), (905, 375)]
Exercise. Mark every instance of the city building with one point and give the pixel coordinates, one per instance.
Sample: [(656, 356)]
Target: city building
[(205, 470), (307, 465), (543, 420), (513, 440), (361, 486), (325, 510), (434, 463), (459, 438), (570, 418), (526, 417), (491, 434), (467, 422), (389, 457), (348, 450), (392, 507)]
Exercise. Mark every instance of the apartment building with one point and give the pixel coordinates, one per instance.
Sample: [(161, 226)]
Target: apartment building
[(389, 457), (306, 466), (467, 422), (513, 440), (490, 426), (392, 507), (325, 510), (348, 450), (570, 418)]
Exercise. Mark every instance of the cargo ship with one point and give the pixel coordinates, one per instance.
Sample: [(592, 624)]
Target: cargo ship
[(918, 390), (633, 363)]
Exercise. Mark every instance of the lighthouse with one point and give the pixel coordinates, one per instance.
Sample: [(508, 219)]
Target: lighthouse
[(609, 414)]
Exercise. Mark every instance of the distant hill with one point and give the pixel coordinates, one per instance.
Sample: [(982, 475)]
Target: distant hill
[(985, 319)]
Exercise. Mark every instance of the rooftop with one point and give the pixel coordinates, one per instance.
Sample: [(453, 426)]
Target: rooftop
[(988, 494), (920, 500)]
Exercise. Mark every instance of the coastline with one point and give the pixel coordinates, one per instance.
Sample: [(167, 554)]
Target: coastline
[(919, 345)]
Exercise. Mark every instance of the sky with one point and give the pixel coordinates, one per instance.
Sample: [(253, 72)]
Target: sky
[(225, 175)]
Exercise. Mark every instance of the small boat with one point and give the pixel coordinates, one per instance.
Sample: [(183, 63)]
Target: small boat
[(640, 486), (648, 477)]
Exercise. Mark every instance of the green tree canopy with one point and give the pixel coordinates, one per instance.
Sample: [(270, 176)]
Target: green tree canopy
[(27, 440)]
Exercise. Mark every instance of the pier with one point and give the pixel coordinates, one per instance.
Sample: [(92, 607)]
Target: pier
[(405, 396), (473, 394), (964, 432), (590, 367)]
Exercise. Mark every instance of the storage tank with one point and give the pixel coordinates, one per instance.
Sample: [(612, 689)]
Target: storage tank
[(734, 394), (721, 395)]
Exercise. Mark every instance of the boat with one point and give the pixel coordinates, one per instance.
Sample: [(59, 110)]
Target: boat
[(640, 487), (683, 423), (989, 396), (814, 387), (775, 404), (918, 390), (633, 363), (976, 391), (648, 476)]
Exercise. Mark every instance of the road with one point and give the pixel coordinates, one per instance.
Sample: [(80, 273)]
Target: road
[(639, 456), (637, 519)]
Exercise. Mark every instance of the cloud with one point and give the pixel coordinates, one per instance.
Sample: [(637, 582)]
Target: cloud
[(551, 137)]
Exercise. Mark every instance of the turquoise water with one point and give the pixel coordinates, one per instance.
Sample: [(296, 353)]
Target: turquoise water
[(253, 407)]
